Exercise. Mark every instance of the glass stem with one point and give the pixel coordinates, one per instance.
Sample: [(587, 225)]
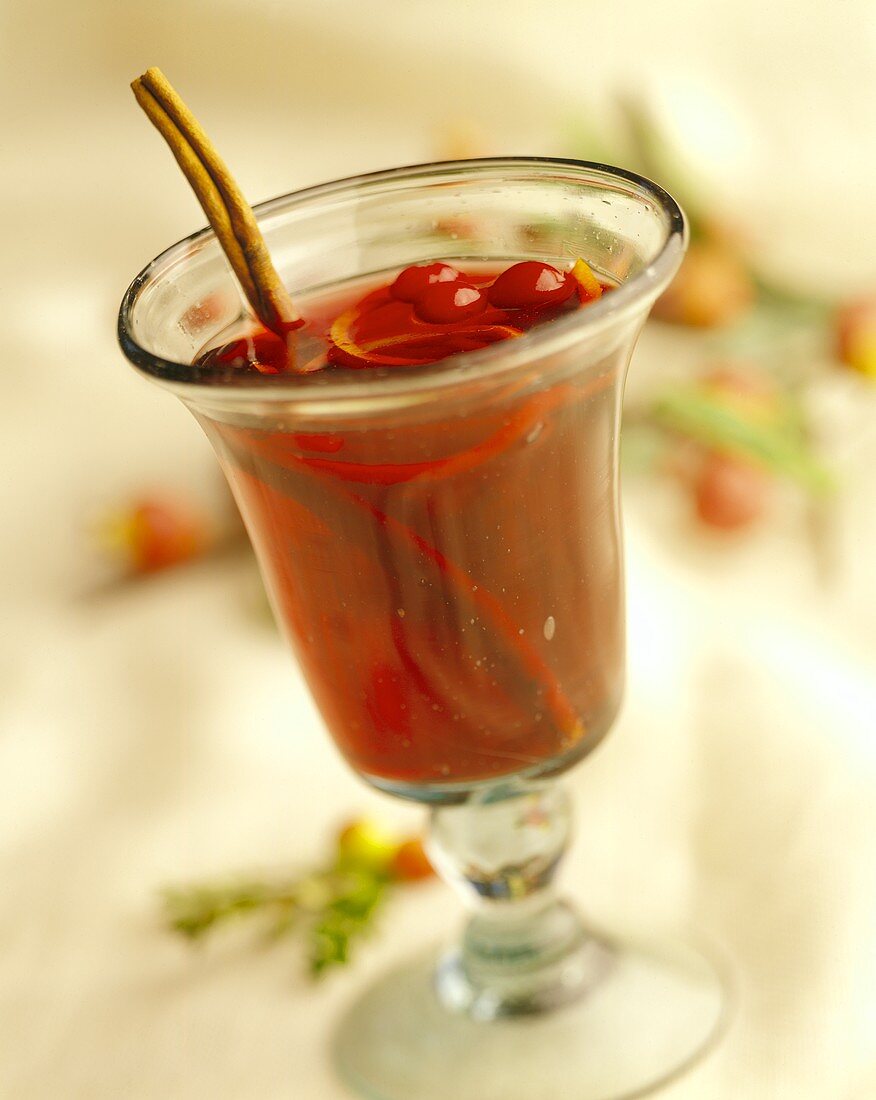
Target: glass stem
[(523, 950)]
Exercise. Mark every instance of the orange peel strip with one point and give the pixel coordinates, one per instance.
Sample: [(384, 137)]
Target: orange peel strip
[(589, 287)]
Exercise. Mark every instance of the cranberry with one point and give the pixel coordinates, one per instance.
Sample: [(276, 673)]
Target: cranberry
[(444, 303), (413, 281), (162, 534), (730, 493), (530, 283), (265, 351)]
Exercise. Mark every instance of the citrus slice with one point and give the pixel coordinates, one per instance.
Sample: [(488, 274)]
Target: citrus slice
[(589, 287)]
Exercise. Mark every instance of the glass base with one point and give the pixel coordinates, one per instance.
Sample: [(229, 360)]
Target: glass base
[(649, 1013)]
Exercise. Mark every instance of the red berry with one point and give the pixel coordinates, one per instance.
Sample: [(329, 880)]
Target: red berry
[(444, 303), (531, 283), (411, 282), (730, 493), (162, 534), (265, 351)]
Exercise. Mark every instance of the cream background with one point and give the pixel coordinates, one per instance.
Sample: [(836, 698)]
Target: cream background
[(162, 735)]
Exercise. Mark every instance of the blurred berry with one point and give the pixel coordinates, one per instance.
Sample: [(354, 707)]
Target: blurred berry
[(730, 493), (410, 863), (712, 288), (366, 844), (856, 335), (155, 534)]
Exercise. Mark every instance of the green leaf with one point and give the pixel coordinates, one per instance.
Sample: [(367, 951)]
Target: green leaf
[(781, 446), (347, 918), (332, 908)]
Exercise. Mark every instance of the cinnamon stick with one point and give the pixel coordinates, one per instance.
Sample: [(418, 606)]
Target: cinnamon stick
[(227, 210)]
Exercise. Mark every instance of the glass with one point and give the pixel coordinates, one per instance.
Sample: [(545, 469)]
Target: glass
[(442, 548)]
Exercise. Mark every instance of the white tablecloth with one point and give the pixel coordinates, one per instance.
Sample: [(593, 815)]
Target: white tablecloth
[(163, 734)]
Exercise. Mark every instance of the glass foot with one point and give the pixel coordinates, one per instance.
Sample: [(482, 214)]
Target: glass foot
[(649, 1013)]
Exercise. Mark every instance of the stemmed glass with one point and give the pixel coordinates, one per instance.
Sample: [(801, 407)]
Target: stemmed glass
[(442, 547)]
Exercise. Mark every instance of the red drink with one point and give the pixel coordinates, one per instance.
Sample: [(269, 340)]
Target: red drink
[(440, 537), (451, 587)]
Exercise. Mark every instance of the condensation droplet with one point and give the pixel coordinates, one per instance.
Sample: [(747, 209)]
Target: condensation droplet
[(550, 627)]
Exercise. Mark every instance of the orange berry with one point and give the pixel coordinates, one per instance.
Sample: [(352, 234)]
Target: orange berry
[(712, 288), (410, 863), (856, 335), (153, 534), (164, 534)]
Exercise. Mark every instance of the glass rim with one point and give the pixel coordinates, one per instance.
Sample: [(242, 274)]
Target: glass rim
[(498, 359)]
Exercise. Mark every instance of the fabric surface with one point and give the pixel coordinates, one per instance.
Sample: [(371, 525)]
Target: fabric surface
[(163, 734)]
